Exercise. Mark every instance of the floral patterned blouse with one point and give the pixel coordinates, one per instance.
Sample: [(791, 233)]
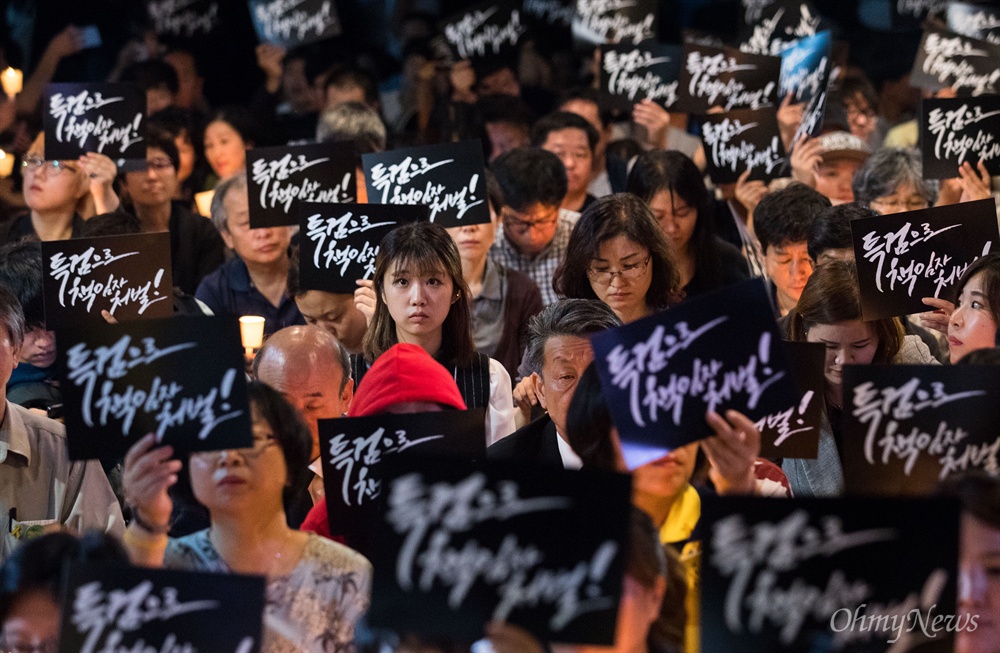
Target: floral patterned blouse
[(313, 609)]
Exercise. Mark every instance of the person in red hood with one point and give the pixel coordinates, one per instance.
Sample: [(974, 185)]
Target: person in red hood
[(405, 379)]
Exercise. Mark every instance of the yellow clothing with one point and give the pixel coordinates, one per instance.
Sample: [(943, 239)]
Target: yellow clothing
[(681, 520)]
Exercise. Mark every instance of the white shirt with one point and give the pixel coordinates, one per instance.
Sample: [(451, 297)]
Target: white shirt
[(569, 458)]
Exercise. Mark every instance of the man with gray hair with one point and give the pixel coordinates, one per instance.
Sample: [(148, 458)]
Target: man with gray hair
[(312, 371), (359, 124), (39, 485), (253, 282), (558, 351)]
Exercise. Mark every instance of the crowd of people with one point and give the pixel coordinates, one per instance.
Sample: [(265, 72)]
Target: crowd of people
[(598, 218)]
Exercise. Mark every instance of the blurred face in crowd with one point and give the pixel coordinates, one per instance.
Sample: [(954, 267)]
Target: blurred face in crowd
[(972, 325), (189, 82), (565, 359), (620, 276), (665, 478), (337, 94), (156, 185), (592, 114), (502, 82), (905, 197), (158, 99), (225, 149), (573, 149), (979, 586), (474, 240), (835, 254), (39, 347), (254, 246), (336, 313), (506, 136), (186, 156), (833, 179), (32, 623), (532, 230), (51, 185), (851, 342), (297, 89), (418, 301), (789, 266), (676, 218), (861, 117)]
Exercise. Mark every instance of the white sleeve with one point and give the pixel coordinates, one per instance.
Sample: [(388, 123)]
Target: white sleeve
[(500, 416)]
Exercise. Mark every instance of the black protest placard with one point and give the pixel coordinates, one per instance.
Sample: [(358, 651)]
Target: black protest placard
[(793, 432), (786, 575), (339, 242), (291, 23), (600, 21), (184, 18), (488, 30), (716, 352), (280, 179), (104, 118), (550, 22), (354, 448), (805, 73), (738, 141), (911, 14), (949, 60), (648, 71), (128, 276), (780, 25), (954, 131), (905, 257), (461, 545), (908, 427), (111, 606), (978, 21), (181, 378), (449, 178), (727, 78)]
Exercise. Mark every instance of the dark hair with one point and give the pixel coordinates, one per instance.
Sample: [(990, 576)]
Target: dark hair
[(831, 228), (979, 494), (588, 423), (989, 266), (605, 111), (622, 214), (529, 176), (161, 139), (786, 216), (39, 564), (426, 247), (178, 121), (242, 120), (645, 561), (989, 356), (566, 317), (21, 274), (852, 85), (341, 75), (494, 194), (559, 121), (658, 171), (11, 316), (292, 286), (116, 223), (885, 171), (832, 295), (151, 74), (289, 428), (499, 107)]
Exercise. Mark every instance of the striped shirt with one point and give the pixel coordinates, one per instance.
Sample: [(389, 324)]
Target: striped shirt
[(541, 267)]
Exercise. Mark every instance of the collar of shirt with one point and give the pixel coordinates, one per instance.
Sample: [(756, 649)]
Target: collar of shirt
[(13, 437), (569, 458), (491, 283)]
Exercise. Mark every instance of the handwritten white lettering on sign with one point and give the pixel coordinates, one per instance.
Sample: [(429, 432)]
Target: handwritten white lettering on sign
[(705, 84), (390, 180), (941, 268), (883, 408), (471, 37), (70, 127), (754, 555), (554, 12), (71, 272), (919, 8), (106, 616), (270, 175), (356, 457), (174, 17), (727, 154), (623, 80), (637, 370), (784, 422), (805, 82), (282, 20), (97, 369), (597, 17), (754, 10), (430, 516), (319, 229), (976, 24), (763, 40), (948, 143), (947, 58)]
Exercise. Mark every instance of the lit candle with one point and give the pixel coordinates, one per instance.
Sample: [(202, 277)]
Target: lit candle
[(204, 202), (11, 78), (6, 164), (251, 333)]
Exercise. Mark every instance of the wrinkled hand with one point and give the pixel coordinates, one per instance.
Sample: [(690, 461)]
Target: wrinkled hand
[(524, 393), (507, 638), (655, 119), (789, 119), (807, 154), (750, 193), (364, 298), (938, 319), (975, 182), (732, 451), (149, 472), (65, 43)]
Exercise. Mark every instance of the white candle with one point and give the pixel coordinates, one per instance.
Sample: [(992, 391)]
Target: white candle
[(11, 78), (204, 202), (6, 164), (251, 332)]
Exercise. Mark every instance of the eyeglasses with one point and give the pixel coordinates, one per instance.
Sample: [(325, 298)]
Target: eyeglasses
[(523, 226), (159, 165), (854, 112), (260, 445), (53, 168), (894, 205), (47, 646), (632, 271)]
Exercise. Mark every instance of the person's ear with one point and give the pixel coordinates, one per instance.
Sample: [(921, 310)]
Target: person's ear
[(227, 238), (347, 396), (536, 381)]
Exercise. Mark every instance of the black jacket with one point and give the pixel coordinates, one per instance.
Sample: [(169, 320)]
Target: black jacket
[(532, 443)]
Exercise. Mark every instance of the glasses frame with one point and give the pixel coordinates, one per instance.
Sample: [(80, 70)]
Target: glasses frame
[(260, 445), (52, 168), (524, 226), (627, 273)]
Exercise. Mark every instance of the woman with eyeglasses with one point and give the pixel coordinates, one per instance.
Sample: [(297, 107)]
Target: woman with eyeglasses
[(61, 194), (316, 588), (618, 254)]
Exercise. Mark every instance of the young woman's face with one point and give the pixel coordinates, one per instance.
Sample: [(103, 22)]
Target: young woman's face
[(52, 185), (474, 240), (847, 343), (225, 150), (666, 477), (418, 302), (632, 267), (972, 325), (677, 219)]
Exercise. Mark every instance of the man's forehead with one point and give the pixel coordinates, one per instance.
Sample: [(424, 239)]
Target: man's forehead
[(568, 349)]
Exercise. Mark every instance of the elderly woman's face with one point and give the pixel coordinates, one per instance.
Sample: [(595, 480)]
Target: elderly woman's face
[(905, 197)]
